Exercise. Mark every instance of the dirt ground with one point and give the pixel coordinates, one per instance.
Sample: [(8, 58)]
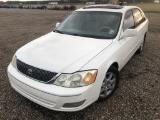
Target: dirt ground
[(138, 95)]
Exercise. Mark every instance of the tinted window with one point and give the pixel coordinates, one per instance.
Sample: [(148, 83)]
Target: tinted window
[(128, 21), (138, 17)]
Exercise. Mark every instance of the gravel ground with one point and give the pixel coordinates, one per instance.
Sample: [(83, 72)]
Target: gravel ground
[(138, 95)]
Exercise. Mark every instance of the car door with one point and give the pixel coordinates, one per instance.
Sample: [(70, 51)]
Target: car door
[(128, 44), (140, 25)]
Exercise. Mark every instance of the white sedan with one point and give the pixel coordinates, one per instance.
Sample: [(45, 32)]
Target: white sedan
[(79, 62)]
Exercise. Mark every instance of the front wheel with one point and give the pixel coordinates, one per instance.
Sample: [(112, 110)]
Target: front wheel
[(110, 84)]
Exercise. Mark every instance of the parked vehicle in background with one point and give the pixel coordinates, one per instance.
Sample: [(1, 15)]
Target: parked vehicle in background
[(123, 3), (69, 7), (79, 62), (53, 3), (41, 7), (20, 6), (90, 3)]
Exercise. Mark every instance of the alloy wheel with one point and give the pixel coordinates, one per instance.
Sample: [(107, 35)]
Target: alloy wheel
[(108, 84)]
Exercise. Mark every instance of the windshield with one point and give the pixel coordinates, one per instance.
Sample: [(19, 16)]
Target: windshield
[(91, 24)]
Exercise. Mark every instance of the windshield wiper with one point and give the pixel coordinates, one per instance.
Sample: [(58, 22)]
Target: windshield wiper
[(58, 31), (82, 35), (95, 36)]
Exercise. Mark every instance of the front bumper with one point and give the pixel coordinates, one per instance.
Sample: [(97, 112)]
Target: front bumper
[(51, 96)]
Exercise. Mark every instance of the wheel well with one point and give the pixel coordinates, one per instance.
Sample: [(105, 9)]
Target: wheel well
[(115, 64), (145, 35)]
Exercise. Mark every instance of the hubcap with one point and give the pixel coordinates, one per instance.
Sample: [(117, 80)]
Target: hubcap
[(108, 84)]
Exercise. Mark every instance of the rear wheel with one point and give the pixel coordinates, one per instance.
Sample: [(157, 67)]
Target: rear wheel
[(109, 84)]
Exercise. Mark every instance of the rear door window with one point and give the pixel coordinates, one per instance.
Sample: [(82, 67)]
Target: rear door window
[(138, 17)]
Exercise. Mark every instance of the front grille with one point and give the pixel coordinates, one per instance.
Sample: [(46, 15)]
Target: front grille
[(35, 73)]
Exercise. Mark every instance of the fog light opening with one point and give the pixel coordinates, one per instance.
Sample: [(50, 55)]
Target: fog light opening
[(75, 104)]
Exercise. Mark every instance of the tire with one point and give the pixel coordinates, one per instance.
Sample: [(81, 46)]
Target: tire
[(110, 84), (140, 49)]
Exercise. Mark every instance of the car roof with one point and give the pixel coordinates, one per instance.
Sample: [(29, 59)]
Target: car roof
[(107, 8)]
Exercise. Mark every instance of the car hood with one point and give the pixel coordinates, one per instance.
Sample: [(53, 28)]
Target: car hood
[(60, 52)]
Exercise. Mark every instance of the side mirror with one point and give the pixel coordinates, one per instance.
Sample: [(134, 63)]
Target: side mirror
[(57, 24), (128, 33)]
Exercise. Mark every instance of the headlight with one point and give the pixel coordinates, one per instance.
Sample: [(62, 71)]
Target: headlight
[(13, 62), (76, 79)]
